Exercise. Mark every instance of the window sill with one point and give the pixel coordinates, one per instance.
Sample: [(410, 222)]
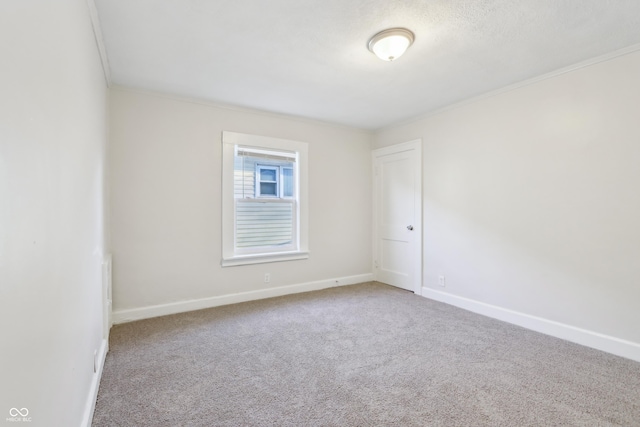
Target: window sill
[(263, 258)]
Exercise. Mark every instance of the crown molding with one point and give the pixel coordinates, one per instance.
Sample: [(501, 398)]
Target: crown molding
[(574, 67), (97, 32), (238, 108)]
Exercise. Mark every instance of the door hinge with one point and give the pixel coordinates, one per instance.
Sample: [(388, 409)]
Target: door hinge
[(375, 263)]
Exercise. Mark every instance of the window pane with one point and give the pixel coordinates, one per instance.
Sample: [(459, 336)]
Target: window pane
[(268, 189), (260, 224), (268, 175), (287, 182)]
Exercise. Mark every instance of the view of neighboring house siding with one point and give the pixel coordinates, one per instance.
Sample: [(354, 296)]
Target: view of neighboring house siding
[(263, 223), (244, 180), (260, 221)]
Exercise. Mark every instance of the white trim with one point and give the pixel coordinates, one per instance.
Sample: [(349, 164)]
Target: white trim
[(263, 258), (574, 67), (231, 107), (97, 32), (607, 343), (92, 397), (415, 146), (107, 292), (398, 148), (129, 315)]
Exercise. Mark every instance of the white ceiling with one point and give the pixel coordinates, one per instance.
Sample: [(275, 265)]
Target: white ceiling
[(309, 58)]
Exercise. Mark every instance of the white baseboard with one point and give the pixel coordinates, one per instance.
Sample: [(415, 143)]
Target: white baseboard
[(609, 344), (90, 406), (129, 315)]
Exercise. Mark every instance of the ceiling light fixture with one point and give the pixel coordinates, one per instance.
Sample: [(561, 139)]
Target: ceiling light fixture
[(391, 44)]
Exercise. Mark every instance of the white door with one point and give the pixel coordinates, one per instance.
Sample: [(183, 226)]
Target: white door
[(398, 215)]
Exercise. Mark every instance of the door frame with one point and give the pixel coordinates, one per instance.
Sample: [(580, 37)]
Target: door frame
[(416, 146)]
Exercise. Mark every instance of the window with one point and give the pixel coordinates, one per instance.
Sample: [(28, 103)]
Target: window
[(274, 181), (264, 205), (267, 177)]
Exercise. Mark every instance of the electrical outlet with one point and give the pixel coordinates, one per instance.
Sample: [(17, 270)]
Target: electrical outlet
[(267, 277), (441, 281)]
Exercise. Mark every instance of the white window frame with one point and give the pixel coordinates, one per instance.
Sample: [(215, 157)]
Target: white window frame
[(233, 257), (259, 168)]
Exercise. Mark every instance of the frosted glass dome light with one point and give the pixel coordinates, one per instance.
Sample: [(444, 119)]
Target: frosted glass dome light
[(391, 44)]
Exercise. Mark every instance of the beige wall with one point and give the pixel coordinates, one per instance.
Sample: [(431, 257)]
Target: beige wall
[(52, 141), (532, 198), (165, 167)]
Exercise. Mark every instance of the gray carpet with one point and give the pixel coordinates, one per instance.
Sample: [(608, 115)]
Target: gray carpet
[(362, 355)]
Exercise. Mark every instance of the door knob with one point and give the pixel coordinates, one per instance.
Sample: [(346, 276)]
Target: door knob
[(410, 227)]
